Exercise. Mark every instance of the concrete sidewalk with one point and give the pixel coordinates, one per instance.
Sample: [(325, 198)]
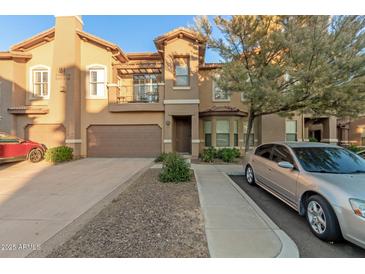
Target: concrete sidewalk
[(235, 226)]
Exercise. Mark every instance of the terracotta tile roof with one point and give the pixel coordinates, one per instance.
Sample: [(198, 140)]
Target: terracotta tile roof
[(222, 111)]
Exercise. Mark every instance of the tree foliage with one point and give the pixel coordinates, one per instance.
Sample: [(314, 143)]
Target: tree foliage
[(286, 64)]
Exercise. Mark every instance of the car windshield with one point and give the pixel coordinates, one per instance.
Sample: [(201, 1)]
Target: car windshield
[(329, 160)]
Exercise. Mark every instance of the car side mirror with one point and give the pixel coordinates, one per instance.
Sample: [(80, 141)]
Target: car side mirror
[(285, 164)]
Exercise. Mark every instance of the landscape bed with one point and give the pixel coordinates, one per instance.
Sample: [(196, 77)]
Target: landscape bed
[(148, 219)]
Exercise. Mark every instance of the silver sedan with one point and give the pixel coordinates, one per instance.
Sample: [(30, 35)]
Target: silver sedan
[(325, 183)]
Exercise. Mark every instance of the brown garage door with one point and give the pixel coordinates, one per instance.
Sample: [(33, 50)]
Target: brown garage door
[(51, 135), (123, 140)]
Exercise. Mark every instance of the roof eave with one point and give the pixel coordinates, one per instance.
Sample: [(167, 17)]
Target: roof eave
[(34, 40)]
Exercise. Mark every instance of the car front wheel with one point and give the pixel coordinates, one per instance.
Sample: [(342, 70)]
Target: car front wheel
[(322, 219), (250, 176), (35, 155)]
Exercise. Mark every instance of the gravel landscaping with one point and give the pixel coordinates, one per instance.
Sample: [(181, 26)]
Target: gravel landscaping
[(148, 219)]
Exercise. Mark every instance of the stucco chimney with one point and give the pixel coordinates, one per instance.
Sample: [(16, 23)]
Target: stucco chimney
[(67, 75)]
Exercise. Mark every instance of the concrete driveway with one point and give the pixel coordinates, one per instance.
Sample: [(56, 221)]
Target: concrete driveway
[(38, 200)]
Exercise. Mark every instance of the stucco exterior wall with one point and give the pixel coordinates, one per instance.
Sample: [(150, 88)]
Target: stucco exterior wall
[(180, 47), (95, 111), (6, 87), (206, 79)]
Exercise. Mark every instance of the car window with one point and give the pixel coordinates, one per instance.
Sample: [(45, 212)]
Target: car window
[(362, 154), (282, 154), (329, 160), (6, 138), (264, 151)]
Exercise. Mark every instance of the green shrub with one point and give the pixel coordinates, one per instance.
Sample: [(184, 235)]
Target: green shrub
[(161, 157), (227, 155), (353, 148), (208, 154), (175, 169), (237, 153), (59, 154), (312, 139)]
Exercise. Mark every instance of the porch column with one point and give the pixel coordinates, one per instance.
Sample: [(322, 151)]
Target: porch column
[(195, 138), (306, 132), (214, 125), (231, 132), (330, 130), (167, 136)]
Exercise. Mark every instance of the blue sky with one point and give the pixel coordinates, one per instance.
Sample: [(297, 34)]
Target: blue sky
[(132, 33)]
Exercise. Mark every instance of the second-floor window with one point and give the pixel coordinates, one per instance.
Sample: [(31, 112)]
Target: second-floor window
[(40, 82), (145, 88), (181, 71), (97, 82), (219, 94), (291, 130)]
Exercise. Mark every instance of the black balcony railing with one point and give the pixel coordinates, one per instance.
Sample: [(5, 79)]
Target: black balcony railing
[(148, 93)]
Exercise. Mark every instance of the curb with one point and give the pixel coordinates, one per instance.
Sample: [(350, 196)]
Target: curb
[(68, 231), (288, 247)]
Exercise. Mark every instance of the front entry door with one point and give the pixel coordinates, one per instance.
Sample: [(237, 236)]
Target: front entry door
[(183, 134)]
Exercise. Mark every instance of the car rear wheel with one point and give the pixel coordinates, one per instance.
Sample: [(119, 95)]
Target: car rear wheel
[(250, 176), (322, 219), (35, 155)]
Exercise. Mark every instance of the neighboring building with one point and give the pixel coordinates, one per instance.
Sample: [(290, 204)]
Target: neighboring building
[(351, 131), (65, 86)]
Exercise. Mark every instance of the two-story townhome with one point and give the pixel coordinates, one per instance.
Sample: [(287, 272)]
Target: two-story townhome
[(66, 86)]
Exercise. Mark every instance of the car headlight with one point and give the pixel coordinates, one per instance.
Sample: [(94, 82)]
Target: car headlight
[(358, 207)]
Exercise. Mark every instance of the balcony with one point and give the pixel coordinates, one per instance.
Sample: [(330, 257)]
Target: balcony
[(147, 97)]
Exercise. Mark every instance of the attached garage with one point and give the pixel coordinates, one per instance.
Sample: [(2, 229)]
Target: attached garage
[(124, 140), (51, 135)]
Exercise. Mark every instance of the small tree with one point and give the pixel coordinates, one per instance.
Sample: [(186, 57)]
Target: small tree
[(286, 64)]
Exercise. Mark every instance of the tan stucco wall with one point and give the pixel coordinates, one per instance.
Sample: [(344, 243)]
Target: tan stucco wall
[(41, 56), (95, 111), (272, 128), (6, 86), (181, 47), (206, 94)]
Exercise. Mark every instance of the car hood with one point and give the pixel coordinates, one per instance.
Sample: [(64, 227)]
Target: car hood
[(351, 183)]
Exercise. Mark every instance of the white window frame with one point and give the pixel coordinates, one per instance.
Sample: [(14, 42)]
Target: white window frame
[(96, 67), (214, 86), (175, 86), (32, 71), (296, 129)]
